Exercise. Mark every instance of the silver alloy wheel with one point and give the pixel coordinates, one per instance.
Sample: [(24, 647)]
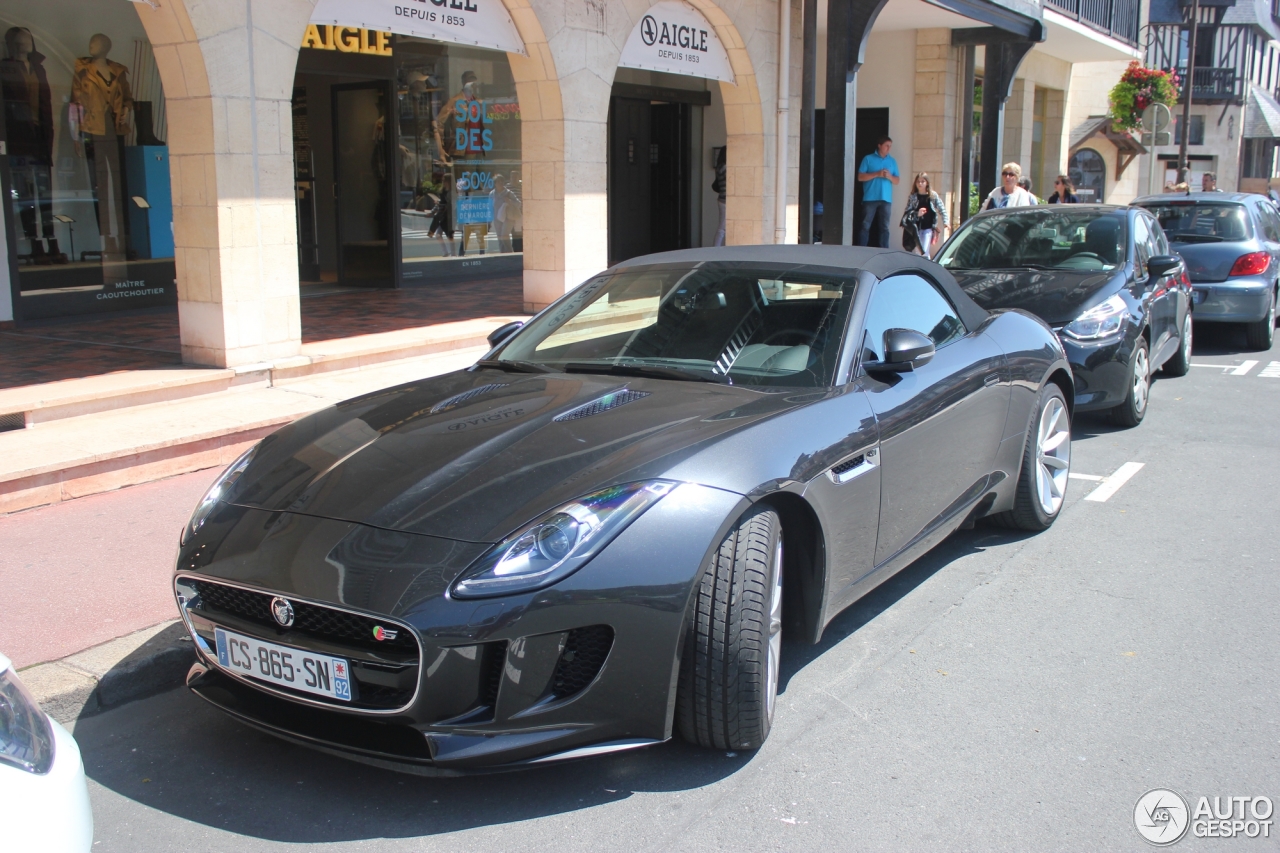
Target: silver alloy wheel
[(1186, 338), (775, 632), (1141, 380), (1053, 455)]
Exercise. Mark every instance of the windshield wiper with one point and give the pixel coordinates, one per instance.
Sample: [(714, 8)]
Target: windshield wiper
[(641, 370), (1023, 267), (514, 366)]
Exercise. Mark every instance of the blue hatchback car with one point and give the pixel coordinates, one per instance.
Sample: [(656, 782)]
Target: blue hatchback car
[(1231, 245)]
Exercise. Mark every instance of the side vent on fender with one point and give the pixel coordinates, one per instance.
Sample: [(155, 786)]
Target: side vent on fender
[(855, 467), (612, 400)]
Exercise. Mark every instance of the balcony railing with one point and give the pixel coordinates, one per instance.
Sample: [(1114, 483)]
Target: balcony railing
[(1116, 18), (1214, 84), (1233, 52)]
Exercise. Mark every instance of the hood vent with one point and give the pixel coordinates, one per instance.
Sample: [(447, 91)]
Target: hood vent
[(458, 399), (609, 401)]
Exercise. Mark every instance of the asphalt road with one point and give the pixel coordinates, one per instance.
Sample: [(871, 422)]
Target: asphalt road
[(1004, 693)]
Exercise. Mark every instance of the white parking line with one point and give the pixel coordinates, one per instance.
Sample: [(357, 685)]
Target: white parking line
[(1243, 369), (1271, 371), (1093, 478), (1111, 484)]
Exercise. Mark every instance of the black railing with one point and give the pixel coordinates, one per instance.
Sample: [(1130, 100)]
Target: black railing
[(1117, 18), (1213, 84)]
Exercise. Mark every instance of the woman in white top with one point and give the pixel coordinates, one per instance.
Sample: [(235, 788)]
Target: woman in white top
[(1009, 194)]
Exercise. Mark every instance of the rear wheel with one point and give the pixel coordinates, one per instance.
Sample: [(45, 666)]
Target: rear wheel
[(1180, 364), (1262, 333), (729, 670), (1046, 463), (1134, 408)]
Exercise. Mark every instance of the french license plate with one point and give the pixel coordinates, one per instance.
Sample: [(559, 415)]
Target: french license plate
[(305, 671)]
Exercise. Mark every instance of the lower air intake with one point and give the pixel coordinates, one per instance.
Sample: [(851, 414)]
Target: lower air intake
[(584, 653)]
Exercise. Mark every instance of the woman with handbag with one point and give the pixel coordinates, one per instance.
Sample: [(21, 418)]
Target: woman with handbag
[(925, 219)]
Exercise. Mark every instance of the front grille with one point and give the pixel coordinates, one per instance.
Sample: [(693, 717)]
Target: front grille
[(385, 681), (335, 626), (584, 652)]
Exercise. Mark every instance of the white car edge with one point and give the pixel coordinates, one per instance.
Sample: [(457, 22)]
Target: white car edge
[(44, 799)]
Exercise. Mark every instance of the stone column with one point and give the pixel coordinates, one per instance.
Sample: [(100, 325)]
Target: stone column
[(227, 69), (934, 142), (1019, 113)]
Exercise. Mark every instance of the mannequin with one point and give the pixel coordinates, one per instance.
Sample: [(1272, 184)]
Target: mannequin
[(102, 111), (28, 116)]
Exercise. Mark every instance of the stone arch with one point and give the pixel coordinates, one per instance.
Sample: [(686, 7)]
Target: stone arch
[(744, 127)]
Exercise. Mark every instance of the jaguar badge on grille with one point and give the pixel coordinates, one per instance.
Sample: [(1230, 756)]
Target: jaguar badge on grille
[(380, 633), (282, 611)]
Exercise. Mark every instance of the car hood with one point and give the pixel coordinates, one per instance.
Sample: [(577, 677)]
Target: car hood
[(1211, 261), (473, 455), (1055, 296)]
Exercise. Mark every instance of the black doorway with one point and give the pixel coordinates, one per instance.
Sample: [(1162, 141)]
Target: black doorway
[(650, 175), (873, 123)]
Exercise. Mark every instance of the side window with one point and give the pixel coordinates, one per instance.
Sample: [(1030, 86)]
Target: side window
[(910, 302), (1270, 221), (1159, 242), (1141, 246)]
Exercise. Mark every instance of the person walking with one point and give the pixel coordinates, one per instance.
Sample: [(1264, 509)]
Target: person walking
[(879, 174), (507, 212), (1064, 192), (718, 186), (1209, 183), (1009, 194), (921, 220), (1025, 183)]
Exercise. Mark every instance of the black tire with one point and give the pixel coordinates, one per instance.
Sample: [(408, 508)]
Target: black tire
[(1027, 512), (727, 687), (1262, 333), (1180, 363), (1134, 408)]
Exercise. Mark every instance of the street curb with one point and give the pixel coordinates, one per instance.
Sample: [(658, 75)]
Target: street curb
[(132, 667)]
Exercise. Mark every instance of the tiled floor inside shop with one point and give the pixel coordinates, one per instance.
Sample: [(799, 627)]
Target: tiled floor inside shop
[(105, 343)]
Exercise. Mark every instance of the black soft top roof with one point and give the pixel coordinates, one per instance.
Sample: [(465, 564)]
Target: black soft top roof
[(881, 263)]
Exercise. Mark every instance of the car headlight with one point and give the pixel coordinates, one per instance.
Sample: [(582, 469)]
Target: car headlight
[(560, 542), (218, 492), (1100, 321), (26, 738)]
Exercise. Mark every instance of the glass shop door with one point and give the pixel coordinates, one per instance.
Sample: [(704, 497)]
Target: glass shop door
[(363, 166)]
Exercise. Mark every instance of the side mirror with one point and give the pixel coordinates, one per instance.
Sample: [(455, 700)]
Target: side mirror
[(1162, 265), (904, 350), (504, 331)]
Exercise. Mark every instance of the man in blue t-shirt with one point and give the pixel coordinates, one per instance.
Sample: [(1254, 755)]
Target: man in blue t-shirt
[(879, 175)]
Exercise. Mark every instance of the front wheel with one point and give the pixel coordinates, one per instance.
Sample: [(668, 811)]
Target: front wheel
[(729, 669), (1262, 333), (1134, 408), (1046, 464), (1180, 364)]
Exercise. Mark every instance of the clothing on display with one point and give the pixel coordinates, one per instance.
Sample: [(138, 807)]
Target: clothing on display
[(102, 107), (28, 119)]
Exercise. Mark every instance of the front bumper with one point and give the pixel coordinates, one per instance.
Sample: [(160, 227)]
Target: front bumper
[(495, 683), (1100, 371), (1240, 300)]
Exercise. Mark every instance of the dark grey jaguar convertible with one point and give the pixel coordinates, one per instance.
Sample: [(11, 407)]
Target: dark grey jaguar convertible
[(598, 534)]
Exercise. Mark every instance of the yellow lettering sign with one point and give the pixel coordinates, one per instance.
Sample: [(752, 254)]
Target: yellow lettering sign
[(347, 39)]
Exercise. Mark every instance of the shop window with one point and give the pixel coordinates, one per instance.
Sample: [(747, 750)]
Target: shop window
[(460, 182), (88, 194), (1259, 158)]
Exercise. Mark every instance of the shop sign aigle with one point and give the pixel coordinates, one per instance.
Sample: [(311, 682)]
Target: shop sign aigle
[(674, 37), (483, 23)]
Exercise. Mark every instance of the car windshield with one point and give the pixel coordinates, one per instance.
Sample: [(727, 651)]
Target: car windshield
[(1202, 221), (735, 323), (1061, 237)]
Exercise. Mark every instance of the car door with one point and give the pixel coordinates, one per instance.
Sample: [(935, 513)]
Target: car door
[(939, 425), (1154, 291)]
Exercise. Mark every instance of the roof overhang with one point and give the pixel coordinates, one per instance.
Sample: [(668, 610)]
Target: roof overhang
[(1261, 115), (1072, 41), (1127, 147)]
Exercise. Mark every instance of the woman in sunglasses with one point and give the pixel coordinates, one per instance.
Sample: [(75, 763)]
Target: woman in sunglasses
[(1009, 194), (1063, 191)]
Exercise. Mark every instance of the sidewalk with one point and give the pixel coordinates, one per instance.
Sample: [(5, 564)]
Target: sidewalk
[(76, 574)]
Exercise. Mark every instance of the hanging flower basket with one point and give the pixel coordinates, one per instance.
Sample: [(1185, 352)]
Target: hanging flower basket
[(1138, 89)]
